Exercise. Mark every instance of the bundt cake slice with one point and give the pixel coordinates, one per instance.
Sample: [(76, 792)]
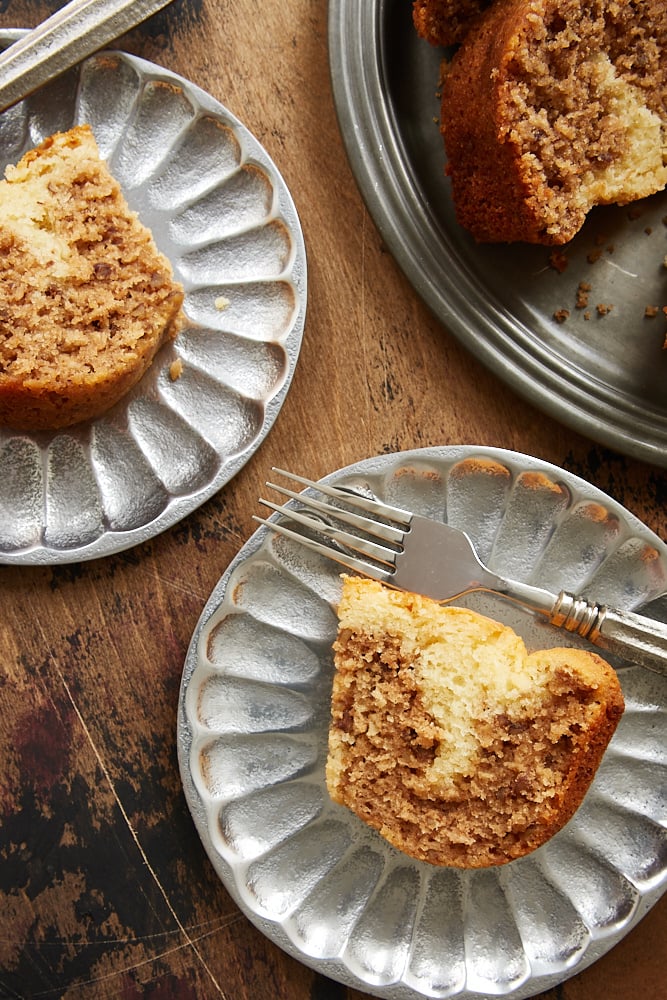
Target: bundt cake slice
[(451, 740), (550, 107), (86, 298)]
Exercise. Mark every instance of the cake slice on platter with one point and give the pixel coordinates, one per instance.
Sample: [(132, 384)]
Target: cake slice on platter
[(551, 107), (451, 740), (86, 297)]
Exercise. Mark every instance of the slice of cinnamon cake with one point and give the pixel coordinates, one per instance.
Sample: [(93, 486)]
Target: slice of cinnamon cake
[(551, 107), (451, 740), (86, 298)]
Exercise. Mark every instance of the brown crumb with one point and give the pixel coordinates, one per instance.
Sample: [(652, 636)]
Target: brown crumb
[(594, 256), (603, 308), (651, 311), (648, 230), (587, 315), (561, 315), (582, 294), (558, 260)]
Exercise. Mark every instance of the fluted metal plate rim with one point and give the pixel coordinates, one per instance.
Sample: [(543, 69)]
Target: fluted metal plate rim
[(252, 729), (164, 113)]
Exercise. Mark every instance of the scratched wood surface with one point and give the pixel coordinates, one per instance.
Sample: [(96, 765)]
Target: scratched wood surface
[(105, 890)]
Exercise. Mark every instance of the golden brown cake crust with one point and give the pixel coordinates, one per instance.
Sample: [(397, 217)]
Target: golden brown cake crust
[(398, 760), (446, 22), (86, 299), (550, 107)]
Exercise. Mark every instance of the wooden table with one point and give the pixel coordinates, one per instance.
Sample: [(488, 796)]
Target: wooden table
[(105, 890)]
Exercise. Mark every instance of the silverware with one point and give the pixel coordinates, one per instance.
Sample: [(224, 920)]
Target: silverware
[(64, 39), (439, 561)]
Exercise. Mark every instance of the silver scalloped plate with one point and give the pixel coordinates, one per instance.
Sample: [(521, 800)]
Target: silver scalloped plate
[(605, 376), (252, 739), (219, 209)]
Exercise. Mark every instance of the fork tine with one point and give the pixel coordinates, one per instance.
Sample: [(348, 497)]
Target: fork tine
[(374, 507), (349, 561), (377, 529), (368, 548)]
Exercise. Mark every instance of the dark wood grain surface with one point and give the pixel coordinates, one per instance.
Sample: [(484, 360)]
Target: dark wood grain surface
[(105, 890)]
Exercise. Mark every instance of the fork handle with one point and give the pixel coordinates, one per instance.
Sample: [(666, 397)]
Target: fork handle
[(623, 633)]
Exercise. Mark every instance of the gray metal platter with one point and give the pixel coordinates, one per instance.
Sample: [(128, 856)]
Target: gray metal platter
[(221, 212), (601, 372)]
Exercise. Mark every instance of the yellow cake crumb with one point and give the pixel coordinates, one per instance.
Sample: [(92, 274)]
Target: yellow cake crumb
[(175, 369)]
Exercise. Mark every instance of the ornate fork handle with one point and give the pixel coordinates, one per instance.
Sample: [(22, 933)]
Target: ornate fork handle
[(623, 633)]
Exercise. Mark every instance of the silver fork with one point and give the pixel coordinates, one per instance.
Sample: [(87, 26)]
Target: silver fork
[(418, 554)]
